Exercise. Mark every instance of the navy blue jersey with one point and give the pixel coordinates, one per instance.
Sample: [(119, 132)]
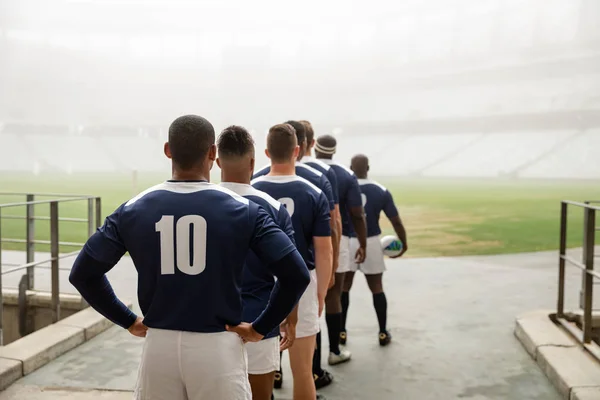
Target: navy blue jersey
[(188, 242), (310, 174), (307, 206), (327, 171), (257, 280), (376, 198), (349, 193)]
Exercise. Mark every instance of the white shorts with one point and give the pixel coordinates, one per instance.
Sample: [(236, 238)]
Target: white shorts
[(308, 310), (344, 259), (374, 263), (180, 365), (263, 356)]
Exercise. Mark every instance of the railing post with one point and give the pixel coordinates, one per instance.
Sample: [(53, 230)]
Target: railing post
[(90, 217), (98, 212), (30, 245), (1, 293), (560, 309), (54, 249), (588, 288), (583, 253)]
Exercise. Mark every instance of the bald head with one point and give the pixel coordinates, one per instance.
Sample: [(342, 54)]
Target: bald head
[(325, 147), (360, 166)]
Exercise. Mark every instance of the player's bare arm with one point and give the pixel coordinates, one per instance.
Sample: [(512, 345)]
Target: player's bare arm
[(288, 330), (357, 216), (323, 266), (336, 234), (400, 232)]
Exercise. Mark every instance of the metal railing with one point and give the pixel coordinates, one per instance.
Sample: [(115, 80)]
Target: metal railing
[(93, 220), (583, 335)]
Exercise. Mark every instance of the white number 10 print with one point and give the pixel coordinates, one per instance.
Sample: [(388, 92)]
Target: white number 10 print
[(176, 238)]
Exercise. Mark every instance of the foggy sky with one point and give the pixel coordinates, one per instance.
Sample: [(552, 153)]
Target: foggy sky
[(145, 62)]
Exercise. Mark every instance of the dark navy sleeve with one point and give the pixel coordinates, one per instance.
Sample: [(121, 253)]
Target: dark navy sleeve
[(292, 280), (268, 242), (326, 187), (88, 275), (322, 217), (285, 223), (279, 255), (334, 185), (354, 198), (389, 208), (106, 245)]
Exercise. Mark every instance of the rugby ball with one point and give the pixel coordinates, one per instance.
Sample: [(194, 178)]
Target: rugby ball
[(391, 245)]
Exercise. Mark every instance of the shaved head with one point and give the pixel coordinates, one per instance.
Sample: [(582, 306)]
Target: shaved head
[(360, 165), (190, 139)]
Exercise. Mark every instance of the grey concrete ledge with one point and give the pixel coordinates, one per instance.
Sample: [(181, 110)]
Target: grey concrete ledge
[(43, 346), (572, 371), (89, 320), (585, 394), (37, 349), (10, 371), (535, 330)]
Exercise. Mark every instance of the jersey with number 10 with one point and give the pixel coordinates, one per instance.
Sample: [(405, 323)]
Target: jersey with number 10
[(307, 206), (188, 241)]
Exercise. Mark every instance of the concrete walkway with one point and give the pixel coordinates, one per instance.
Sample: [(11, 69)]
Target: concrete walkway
[(452, 320)]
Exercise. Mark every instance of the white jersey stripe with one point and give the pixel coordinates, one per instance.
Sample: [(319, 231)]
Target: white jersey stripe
[(371, 182), (247, 190), (285, 179), (186, 188), (331, 162)]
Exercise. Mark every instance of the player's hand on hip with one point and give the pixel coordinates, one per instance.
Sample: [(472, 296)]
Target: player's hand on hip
[(360, 256), (138, 328), (288, 335), (246, 332)]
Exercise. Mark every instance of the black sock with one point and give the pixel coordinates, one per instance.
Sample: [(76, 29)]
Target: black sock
[(345, 305), (317, 370), (334, 322), (380, 303), (280, 357)]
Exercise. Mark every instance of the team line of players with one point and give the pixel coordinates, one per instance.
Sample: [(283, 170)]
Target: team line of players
[(230, 275)]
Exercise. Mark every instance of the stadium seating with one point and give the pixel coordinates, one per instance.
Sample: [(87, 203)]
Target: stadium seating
[(497, 154), (549, 154), (10, 145), (69, 153), (578, 158), (136, 153)]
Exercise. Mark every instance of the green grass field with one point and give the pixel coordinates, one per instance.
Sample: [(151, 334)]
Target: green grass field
[(442, 217)]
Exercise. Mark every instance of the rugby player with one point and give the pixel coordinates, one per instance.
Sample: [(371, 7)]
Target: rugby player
[(376, 198), (353, 221), (333, 306), (317, 178), (235, 150), (310, 213), (188, 240)]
